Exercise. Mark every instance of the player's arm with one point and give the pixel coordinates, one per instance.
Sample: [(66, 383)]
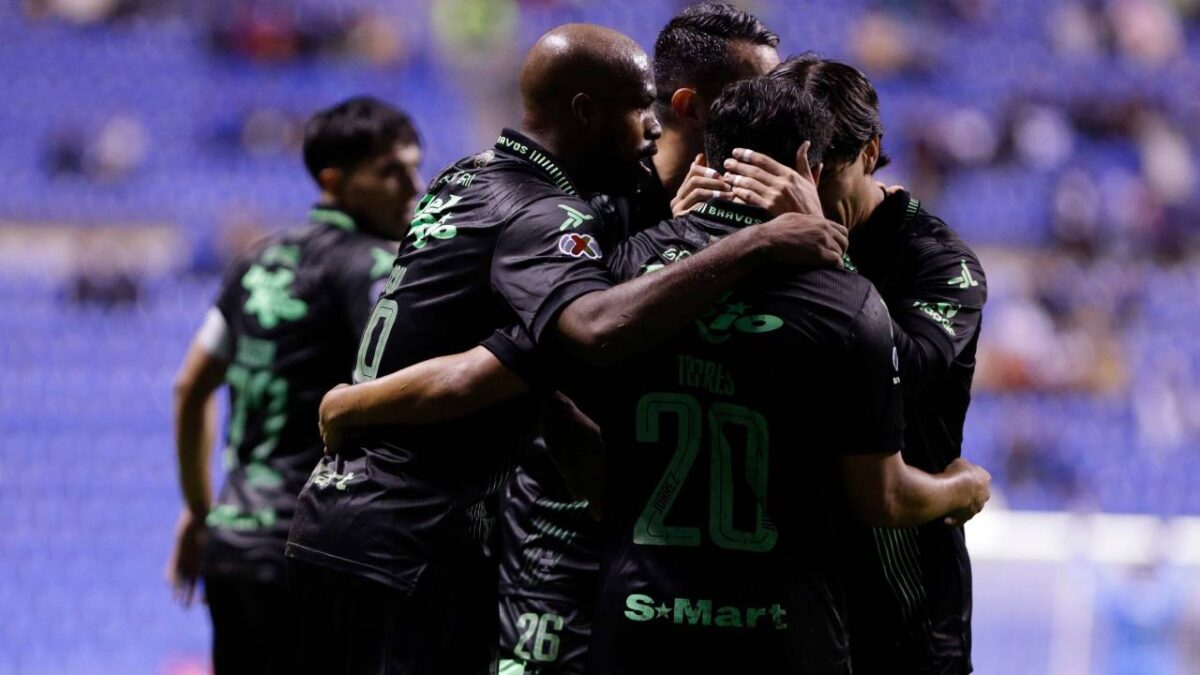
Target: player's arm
[(938, 315), (608, 326), (886, 492), (442, 389), (202, 372), (879, 485)]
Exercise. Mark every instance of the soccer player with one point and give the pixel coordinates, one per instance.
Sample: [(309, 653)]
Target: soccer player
[(548, 545), (283, 329), (734, 448), (703, 48), (389, 539), (911, 610)]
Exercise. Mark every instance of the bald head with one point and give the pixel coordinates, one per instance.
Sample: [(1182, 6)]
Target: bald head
[(588, 94), (580, 58)]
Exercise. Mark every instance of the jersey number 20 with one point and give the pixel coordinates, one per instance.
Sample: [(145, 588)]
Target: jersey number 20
[(651, 527)]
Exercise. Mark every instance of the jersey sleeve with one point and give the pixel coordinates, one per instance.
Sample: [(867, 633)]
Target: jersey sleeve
[(870, 402), (513, 347), (939, 314), (547, 255), (229, 294)]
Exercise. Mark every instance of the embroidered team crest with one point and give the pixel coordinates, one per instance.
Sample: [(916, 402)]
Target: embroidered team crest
[(580, 246)]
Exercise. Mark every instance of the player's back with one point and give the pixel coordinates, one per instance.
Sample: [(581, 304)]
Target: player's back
[(723, 499), (293, 304)]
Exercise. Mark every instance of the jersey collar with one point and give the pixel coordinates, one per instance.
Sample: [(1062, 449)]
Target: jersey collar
[(519, 145), (729, 215), (327, 215)]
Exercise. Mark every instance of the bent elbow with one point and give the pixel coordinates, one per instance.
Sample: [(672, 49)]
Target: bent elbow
[(883, 509), (593, 341)]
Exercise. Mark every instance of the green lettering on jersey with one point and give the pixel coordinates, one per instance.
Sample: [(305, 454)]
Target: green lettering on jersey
[(269, 297), (426, 224)]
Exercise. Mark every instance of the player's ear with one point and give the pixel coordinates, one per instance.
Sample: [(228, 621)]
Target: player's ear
[(685, 104), (583, 109), (330, 180), (870, 155)]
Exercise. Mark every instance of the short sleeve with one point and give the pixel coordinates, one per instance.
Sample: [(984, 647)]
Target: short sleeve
[(938, 315), (229, 296), (871, 400), (547, 255), (513, 347)]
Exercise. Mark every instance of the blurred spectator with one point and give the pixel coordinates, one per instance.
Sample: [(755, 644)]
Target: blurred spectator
[(110, 154), (1146, 30), (104, 273)]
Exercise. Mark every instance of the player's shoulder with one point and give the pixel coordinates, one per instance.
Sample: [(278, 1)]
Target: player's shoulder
[(930, 237), (824, 301)]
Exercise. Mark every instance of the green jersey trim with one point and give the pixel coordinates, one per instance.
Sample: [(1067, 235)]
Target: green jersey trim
[(328, 216), (521, 146)]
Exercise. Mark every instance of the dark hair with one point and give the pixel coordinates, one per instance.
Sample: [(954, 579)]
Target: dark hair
[(693, 50), (352, 132), (848, 96), (766, 115)]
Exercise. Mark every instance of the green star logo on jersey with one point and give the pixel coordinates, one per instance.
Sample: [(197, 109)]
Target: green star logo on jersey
[(574, 217), (383, 262), (269, 298)]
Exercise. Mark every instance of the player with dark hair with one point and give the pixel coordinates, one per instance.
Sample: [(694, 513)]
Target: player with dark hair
[(283, 329), (548, 544), (702, 49), (390, 534), (734, 449), (911, 610)]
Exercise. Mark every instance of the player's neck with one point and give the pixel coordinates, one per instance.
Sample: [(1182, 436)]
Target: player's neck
[(676, 150), (872, 196), (561, 150)]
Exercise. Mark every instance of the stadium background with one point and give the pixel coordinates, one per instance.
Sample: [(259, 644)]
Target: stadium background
[(144, 141)]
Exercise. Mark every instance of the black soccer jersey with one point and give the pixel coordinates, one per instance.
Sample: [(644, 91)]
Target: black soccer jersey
[(501, 237), (914, 603), (723, 500), (295, 306)]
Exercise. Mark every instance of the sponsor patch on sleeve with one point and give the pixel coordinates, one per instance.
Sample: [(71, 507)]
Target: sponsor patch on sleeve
[(579, 246)]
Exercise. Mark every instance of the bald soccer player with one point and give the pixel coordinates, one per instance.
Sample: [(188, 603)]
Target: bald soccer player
[(388, 547)]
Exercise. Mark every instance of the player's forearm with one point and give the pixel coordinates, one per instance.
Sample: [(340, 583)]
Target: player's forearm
[(887, 492), (918, 497), (434, 391), (195, 431), (608, 326)]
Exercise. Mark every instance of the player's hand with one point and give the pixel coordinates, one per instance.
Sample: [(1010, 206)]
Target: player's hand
[(700, 185), (183, 570), (981, 490), (798, 239), (758, 180), (328, 419)]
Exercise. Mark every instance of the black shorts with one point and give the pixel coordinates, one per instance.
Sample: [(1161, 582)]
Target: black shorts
[(254, 627), (541, 636), (354, 626)]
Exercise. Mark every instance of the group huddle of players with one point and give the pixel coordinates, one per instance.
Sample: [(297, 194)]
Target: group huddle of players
[(665, 381)]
